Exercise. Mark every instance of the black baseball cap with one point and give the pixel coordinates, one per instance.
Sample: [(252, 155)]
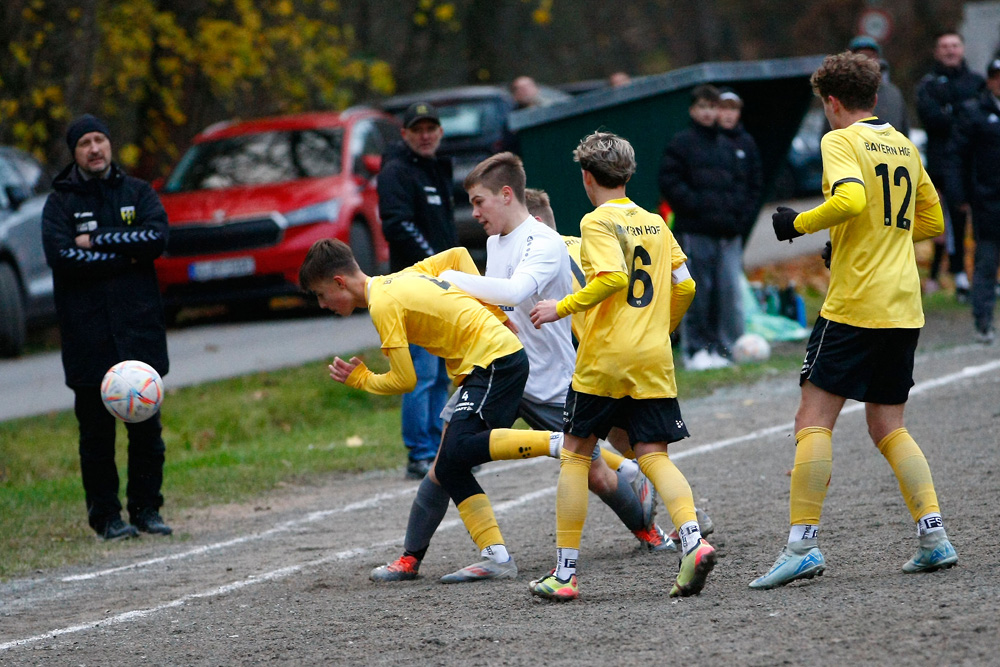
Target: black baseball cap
[(420, 111)]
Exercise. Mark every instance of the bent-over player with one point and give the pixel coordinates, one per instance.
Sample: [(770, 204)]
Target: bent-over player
[(484, 356)]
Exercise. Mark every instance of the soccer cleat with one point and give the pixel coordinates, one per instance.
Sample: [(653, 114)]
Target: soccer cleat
[(654, 539), (551, 587), (403, 568), (705, 525), (481, 571), (934, 553), (798, 560), (694, 570), (646, 493)]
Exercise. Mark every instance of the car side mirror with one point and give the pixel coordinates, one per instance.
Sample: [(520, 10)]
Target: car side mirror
[(17, 195), (157, 183), (372, 163)]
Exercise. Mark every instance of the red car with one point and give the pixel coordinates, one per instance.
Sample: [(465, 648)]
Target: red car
[(249, 198)]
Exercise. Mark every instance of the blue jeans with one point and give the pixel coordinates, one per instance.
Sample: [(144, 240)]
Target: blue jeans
[(984, 282), (715, 319), (422, 406)]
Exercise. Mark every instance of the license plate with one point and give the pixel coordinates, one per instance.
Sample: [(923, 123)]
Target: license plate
[(222, 268)]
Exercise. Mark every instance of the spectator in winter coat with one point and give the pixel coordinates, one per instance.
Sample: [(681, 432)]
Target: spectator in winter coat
[(700, 180), (414, 197), (101, 231), (750, 184), (890, 107), (939, 96), (973, 181)]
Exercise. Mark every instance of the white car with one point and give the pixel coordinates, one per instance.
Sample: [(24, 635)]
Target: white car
[(25, 279)]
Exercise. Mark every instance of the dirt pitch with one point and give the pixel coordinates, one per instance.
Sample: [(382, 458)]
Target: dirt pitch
[(285, 579)]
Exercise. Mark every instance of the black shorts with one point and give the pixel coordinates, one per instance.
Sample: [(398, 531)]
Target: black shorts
[(493, 393), (867, 365), (645, 420)]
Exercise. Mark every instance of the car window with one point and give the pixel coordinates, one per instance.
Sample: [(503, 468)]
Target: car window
[(258, 159), (365, 140), (470, 118), (8, 178)]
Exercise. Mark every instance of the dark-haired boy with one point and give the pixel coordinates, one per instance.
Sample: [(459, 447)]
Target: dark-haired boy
[(879, 200)]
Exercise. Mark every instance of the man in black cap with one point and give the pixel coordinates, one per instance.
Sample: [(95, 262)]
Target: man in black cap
[(972, 180), (415, 203), (890, 107), (101, 231)]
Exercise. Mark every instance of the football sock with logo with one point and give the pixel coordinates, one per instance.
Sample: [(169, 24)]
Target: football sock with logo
[(426, 513), (510, 443), (810, 475), (477, 515), (566, 563), (496, 553), (802, 531), (672, 487), (571, 499), (624, 503), (912, 473)]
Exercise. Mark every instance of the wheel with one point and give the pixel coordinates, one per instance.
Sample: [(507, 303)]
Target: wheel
[(363, 247), (12, 323)]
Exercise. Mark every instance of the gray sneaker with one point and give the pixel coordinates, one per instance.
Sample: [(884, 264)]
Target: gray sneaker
[(985, 336), (646, 493), (481, 571)]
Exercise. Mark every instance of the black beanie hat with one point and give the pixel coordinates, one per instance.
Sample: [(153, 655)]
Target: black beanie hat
[(82, 126)]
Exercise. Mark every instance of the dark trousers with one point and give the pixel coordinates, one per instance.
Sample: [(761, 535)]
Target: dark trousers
[(97, 460), (984, 282), (959, 225)]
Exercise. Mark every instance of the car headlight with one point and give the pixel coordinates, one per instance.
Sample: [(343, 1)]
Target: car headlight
[(327, 211)]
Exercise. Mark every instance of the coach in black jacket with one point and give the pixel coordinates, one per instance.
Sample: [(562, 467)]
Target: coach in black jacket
[(972, 179), (414, 201), (940, 94), (702, 182), (101, 230)]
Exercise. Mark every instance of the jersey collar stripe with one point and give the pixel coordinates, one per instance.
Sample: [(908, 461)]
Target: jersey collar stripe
[(874, 123)]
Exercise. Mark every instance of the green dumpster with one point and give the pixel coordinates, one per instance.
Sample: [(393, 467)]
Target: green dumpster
[(648, 112)]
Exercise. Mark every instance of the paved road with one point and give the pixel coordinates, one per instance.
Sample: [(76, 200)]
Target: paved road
[(34, 384)]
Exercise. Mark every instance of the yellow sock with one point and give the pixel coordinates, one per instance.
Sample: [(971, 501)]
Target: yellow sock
[(571, 499), (612, 458), (512, 443), (912, 472), (477, 515), (811, 474), (671, 485)]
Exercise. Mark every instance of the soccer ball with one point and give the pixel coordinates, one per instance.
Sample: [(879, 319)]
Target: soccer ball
[(751, 347), (132, 391)]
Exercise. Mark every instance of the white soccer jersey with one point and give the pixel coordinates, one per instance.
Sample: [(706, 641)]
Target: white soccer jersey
[(531, 255)]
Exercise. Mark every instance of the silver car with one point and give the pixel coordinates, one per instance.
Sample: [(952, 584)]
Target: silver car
[(25, 278)]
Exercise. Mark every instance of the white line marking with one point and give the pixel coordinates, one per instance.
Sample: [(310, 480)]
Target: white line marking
[(281, 573)]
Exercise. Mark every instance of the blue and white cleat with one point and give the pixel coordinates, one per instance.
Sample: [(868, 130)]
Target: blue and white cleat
[(798, 560), (934, 553)]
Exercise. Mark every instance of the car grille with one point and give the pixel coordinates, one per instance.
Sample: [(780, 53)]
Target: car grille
[(245, 234)]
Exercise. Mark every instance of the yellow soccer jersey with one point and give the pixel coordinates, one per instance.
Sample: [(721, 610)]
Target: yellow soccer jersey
[(414, 306), (579, 280), (873, 272), (625, 346)]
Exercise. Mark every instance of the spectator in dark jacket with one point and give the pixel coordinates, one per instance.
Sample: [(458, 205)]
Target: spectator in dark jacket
[(700, 179), (750, 183), (890, 107), (101, 232), (939, 95), (414, 196), (973, 181)]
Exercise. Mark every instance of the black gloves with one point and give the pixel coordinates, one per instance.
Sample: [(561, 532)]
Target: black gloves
[(784, 224), (827, 253)]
